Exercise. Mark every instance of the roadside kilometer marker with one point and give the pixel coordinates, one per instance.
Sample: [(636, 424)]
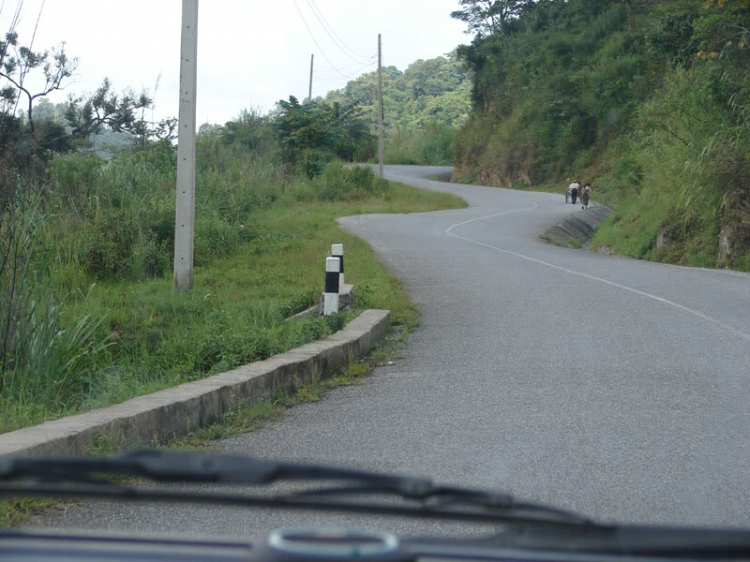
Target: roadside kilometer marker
[(337, 251), (331, 295)]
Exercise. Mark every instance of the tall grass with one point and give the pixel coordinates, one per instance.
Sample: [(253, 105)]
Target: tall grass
[(87, 313), (432, 144), (46, 359), (683, 178)]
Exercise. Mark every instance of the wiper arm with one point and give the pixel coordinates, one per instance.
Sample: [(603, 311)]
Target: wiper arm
[(440, 498), (172, 466), (175, 466)]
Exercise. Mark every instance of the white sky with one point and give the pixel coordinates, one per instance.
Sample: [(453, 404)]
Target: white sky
[(251, 53)]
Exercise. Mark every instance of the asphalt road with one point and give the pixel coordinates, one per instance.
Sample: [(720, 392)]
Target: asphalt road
[(615, 387)]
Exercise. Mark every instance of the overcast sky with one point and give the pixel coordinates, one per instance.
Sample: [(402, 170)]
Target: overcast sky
[(251, 53)]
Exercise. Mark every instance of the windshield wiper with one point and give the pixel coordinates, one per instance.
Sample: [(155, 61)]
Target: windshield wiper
[(96, 477)]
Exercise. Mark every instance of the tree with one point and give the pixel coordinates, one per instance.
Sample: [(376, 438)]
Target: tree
[(87, 116), (119, 113), (318, 130), (487, 17), (17, 62), (436, 89)]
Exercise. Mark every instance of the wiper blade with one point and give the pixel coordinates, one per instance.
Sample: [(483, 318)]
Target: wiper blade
[(659, 541), (96, 474), (175, 466), (438, 498)]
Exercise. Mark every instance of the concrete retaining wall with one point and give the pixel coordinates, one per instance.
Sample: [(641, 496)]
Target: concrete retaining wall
[(579, 226), (177, 410)]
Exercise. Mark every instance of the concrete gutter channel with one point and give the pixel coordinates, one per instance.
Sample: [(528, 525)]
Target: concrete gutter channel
[(580, 226), (176, 411)]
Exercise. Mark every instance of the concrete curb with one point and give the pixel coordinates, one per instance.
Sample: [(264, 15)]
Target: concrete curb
[(579, 226), (175, 411), (346, 298)]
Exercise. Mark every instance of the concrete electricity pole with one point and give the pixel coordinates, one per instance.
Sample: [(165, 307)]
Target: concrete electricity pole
[(380, 110), (309, 92), (185, 202)]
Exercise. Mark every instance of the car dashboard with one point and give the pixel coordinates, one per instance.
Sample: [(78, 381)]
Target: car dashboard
[(281, 546)]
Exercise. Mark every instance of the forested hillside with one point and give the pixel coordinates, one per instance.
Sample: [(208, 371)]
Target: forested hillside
[(648, 99), (422, 107)]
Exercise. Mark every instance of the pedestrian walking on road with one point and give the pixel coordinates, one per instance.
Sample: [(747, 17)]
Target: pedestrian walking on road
[(573, 189), (585, 194)]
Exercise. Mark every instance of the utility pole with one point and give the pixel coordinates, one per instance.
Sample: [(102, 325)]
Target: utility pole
[(380, 110), (309, 92), (185, 198)]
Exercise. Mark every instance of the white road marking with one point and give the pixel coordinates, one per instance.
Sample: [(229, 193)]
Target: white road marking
[(662, 300)]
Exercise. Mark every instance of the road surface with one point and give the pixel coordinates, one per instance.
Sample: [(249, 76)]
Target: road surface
[(615, 387)]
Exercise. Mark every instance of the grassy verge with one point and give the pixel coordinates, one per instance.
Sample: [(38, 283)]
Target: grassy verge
[(253, 417), (236, 310), (243, 419)]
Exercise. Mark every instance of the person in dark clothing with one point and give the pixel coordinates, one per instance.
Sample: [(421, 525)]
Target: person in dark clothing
[(585, 194), (575, 186)]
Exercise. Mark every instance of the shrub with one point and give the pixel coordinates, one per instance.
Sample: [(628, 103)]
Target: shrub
[(339, 182)]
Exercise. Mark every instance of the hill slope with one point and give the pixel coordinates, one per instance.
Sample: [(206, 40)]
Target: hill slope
[(657, 116)]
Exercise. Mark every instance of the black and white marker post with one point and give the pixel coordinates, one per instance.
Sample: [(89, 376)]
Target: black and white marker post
[(337, 251), (331, 295)]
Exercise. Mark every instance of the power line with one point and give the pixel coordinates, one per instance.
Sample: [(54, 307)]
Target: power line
[(350, 77), (349, 68), (25, 70), (322, 52), (326, 27), (13, 23), (36, 26), (16, 16), (355, 72), (352, 51)]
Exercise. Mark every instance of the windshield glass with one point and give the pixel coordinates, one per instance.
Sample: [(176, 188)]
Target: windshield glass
[(502, 245)]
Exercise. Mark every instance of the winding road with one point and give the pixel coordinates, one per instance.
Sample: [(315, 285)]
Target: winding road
[(614, 387)]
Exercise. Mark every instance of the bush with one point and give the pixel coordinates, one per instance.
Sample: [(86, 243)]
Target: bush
[(431, 144), (341, 183)]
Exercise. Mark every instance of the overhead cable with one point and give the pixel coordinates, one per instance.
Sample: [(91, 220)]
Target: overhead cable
[(322, 52), (343, 47), (27, 67)]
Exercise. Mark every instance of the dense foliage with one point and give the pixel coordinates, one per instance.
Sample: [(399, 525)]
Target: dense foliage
[(311, 132), (422, 106), (654, 108)]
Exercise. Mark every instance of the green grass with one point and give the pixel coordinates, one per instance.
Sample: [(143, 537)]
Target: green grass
[(16, 511), (241, 419), (236, 310), (431, 144)]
